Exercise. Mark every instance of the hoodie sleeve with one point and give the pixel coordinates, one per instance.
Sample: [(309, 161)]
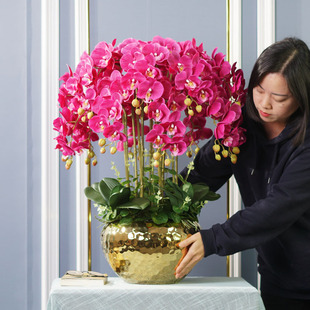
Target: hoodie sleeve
[(287, 203)]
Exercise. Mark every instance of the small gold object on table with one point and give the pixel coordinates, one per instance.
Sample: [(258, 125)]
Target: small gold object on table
[(83, 278)]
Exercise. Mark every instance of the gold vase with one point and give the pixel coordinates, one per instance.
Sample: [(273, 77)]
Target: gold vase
[(143, 254)]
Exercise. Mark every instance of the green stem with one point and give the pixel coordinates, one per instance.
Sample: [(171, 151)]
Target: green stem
[(176, 167), (151, 150), (140, 157), (126, 148), (160, 176), (134, 147)]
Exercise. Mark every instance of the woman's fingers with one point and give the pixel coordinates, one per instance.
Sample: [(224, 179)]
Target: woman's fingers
[(194, 254)]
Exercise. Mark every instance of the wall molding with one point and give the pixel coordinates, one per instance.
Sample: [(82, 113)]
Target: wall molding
[(266, 33), (234, 48), (83, 262), (49, 157), (265, 24)]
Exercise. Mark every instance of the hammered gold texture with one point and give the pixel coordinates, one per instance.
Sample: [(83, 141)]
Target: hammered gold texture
[(143, 254)]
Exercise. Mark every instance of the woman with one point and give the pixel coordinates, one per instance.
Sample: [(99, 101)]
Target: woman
[(273, 174)]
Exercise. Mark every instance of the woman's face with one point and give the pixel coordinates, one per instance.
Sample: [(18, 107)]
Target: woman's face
[(274, 101)]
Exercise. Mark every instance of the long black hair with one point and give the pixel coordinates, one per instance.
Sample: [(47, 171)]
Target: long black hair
[(291, 58)]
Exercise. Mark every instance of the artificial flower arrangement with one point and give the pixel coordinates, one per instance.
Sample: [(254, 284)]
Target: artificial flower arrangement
[(150, 100)]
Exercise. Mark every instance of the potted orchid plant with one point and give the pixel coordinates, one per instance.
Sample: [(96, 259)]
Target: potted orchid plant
[(150, 100)]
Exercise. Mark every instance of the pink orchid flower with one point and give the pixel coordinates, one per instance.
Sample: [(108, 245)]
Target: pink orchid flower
[(156, 136), (189, 82), (174, 126), (201, 134), (159, 52), (84, 69), (158, 111), (62, 145), (98, 123), (176, 145), (102, 54), (72, 86), (171, 44), (147, 69), (150, 90), (113, 132), (176, 101), (235, 138), (120, 144), (131, 80), (128, 60), (196, 122)]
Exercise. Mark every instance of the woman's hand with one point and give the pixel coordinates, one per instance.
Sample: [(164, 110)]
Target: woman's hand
[(194, 255)]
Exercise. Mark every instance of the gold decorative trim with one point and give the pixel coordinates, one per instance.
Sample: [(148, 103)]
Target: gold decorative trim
[(89, 166), (228, 59)]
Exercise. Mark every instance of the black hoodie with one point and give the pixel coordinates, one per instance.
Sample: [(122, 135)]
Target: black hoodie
[(274, 182)]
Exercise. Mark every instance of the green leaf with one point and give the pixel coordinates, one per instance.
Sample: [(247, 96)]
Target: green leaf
[(138, 203), (94, 195), (111, 215), (211, 196), (188, 189), (177, 209), (174, 200), (124, 212), (119, 195), (176, 190), (160, 218), (155, 177), (106, 185), (200, 192), (171, 171), (126, 221), (176, 218), (95, 186)]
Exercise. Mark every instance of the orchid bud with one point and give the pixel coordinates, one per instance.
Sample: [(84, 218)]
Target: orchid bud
[(81, 111), (156, 156), (188, 101), (233, 158), (68, 163), (113, 150), (216, 148), (103, 150), (94, 162), (101, 142), (156, 163), (87, 161), (90, 114), (167, 162), (218, 157), (225, 153), (91, 154), (235, 150), (135, 103), (198, 108), (190, 112)]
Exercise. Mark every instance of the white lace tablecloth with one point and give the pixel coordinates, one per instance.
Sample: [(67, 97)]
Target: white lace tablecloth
[(191, 293)]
